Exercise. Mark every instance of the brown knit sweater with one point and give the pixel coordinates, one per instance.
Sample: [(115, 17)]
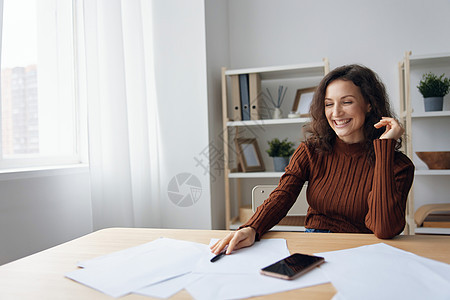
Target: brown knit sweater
[(345, 192)]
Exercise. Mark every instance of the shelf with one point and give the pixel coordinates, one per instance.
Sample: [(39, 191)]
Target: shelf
[(421, 127), (265, 122), (443, 58), (445, 113), (283, 72), (432, 172), (295, 75), (432, 230), (256, 175)]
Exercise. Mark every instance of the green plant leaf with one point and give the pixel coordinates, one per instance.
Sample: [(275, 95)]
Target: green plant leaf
[(434, 86), (279, 148)]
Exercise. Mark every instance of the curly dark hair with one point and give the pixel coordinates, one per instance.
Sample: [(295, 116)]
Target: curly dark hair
[(321, 137)]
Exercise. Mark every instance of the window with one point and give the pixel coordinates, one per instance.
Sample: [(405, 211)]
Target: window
[(39, 105)]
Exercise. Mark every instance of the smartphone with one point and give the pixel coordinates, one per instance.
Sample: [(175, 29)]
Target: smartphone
[(292, 266)]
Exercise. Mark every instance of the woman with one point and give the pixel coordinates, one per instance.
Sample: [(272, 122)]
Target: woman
[(357, 180)]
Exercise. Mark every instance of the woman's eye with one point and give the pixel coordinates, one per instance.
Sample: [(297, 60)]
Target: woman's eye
[(348, 102), (328, 104)]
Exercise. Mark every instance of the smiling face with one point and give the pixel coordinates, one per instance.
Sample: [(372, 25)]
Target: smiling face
[(345, 110)]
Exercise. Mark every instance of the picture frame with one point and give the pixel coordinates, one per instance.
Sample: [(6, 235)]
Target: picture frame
[(302, 101), (249, 155)]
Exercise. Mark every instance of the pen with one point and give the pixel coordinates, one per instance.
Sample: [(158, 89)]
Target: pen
[(218, 256)]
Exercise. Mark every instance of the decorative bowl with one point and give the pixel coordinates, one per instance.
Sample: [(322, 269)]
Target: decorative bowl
[(435, 160)]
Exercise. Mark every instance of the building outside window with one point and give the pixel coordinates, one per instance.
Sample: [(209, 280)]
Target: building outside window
[(40, 103), (20, 130)]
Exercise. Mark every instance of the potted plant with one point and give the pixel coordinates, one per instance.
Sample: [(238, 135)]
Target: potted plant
[(433, 90), (280, 151)]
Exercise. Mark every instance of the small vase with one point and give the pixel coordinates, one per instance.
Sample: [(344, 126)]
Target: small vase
[(280, 163), (277, 113), (433, 103)]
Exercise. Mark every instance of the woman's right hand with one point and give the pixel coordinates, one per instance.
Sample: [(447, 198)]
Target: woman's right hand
[(241, 238)]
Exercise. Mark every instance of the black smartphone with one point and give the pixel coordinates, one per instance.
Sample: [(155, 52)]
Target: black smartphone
[(292, 266)]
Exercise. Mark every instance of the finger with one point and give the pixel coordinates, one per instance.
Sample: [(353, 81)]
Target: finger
[(216, 244), (233, 243), (224, 243), (391, 121), (381, 123), (385, 121), (218, 248), (378, 125), (221, 244), (214, 247)]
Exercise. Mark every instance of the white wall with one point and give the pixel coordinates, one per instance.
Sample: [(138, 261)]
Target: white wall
[(41, 210), (181, 89), (373, 33), (217, 52)]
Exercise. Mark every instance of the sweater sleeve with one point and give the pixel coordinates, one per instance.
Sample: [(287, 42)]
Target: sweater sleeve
[(284, 196), (392, 180)]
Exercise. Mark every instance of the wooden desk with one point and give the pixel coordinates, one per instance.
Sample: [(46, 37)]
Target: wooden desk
[(41, 276)]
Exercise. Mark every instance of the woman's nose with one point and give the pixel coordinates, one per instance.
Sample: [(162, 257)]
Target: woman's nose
[(337, 110)]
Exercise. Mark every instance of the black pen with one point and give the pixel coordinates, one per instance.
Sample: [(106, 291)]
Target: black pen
[(218, 256)]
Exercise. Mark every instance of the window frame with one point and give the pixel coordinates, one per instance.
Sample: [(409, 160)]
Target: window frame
[(79, 156)]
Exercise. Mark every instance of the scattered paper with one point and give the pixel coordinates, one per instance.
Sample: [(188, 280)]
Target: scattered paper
[(383, 272), (119, 274), (165, 266)]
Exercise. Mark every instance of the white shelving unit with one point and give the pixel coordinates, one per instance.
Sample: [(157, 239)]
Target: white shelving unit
[(294, 77), (267, 122), (425, 131), (431, 114)]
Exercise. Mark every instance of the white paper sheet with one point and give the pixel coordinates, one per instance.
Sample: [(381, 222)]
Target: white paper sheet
[(169, 287), (238, 286), (120, 256), (246, 260), (119, 274), (383, 272)]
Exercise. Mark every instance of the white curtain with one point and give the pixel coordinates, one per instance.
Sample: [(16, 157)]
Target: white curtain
[(122, 113)]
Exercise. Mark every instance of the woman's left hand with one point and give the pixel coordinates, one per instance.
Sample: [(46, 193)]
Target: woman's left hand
[(393, 129)]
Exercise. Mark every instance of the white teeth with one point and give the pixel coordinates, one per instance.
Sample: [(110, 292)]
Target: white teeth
[(341, 122)]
